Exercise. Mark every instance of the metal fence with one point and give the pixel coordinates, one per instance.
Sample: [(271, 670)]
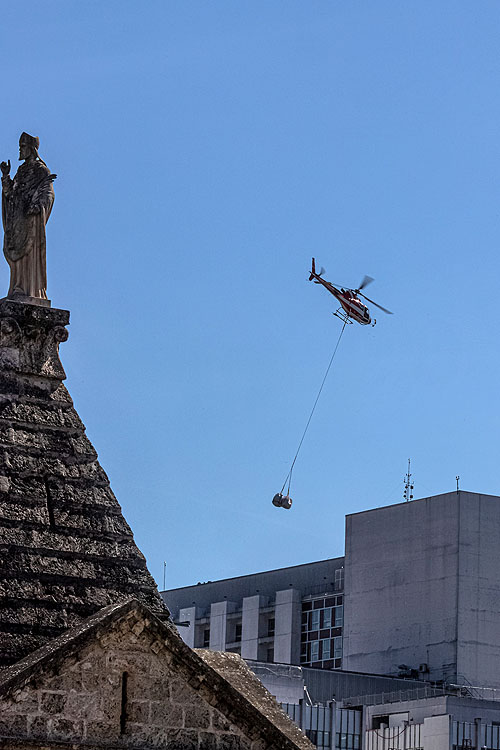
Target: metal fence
[(328, 727), (466, 734), (407, 737), (396, 696), (426, 691)]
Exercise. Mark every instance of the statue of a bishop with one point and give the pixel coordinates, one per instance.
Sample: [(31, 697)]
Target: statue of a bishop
[(26, 205)]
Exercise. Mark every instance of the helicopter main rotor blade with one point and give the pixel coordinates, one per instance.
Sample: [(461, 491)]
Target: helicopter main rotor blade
[(376, 304), (366, 280)]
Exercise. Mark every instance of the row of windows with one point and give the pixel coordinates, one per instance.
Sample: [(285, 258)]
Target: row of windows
[(330, 648), (271, 623), (326, 665), (329, 601), (348, 741), (320, 635), (238, 628), (343, 741), (331, 617)]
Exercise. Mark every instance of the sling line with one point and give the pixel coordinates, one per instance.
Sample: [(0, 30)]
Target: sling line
[(288, 477)]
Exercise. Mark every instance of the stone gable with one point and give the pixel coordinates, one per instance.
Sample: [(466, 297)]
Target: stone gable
[(129, 680)]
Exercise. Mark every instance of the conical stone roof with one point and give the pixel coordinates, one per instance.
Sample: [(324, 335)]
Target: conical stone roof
[(65, 549)]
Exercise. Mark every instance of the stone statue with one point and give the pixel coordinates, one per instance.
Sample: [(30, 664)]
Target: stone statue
[(26, 205)]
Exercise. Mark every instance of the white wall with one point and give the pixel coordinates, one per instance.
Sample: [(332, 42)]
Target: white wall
[(401, 586), (288, 612), (479, 592), (422, 586)]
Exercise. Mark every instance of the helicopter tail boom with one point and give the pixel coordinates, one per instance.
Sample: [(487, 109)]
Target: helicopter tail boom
[(313, 270)]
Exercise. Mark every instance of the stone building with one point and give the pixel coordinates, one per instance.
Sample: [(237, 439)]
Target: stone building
[(88, 654), (124, 678)]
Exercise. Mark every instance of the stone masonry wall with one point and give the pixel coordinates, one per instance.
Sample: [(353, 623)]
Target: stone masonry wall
[(126, 688), (65, 549)]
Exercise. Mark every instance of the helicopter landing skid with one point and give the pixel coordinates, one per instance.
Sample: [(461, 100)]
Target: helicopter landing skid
[(343, 316)]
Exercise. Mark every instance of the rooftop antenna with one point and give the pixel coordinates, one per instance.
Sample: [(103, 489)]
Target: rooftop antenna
[(164, 575), (408, 493), (458, 479)]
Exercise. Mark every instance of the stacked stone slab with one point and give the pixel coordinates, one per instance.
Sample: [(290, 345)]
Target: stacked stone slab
[(65, 549)]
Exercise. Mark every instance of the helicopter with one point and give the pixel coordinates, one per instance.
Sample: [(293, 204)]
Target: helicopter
[(351, 306)]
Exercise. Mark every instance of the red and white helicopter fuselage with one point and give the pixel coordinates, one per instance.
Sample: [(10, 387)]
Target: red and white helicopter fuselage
[(350, 302)]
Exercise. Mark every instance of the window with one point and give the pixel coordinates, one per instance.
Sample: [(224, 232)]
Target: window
[(206, 638), (339, 579), (322, 621), (337, 647), (270, 626), (315, 617), (327, 618), (270, 655), (339, 616), (237, 632)]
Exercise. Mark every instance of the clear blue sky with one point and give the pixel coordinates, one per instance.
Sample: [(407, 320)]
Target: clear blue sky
[(205, 151)]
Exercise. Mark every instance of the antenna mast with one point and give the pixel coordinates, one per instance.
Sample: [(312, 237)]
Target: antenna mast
[(408, 493)]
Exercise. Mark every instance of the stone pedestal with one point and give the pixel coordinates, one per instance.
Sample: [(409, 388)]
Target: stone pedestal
[(25, 300), (29, 339)]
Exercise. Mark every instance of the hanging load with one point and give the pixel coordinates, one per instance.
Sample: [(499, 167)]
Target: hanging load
[(282, 501), (351, 309)]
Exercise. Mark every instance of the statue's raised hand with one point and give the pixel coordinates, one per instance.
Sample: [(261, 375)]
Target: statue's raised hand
[(5, 167)]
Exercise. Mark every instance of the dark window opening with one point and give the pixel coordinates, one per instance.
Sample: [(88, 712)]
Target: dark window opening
[(123, 714), (237, 632), (206, 638), (271, 624)]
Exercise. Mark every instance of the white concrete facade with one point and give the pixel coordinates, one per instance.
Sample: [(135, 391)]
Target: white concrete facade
[(261, 616), (422, 588)]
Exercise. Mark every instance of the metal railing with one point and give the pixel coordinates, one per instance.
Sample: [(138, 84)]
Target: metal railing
[(426, 691), (408, 737), (395, 696)]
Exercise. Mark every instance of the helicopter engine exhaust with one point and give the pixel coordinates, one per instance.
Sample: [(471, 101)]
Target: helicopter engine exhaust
[(282, 501)]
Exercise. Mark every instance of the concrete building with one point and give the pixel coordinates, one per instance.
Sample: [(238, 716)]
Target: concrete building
[(421, 598), (288, 616), (422, 589), (436, 722)]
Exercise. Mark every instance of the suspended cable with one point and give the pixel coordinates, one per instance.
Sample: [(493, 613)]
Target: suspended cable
[(289, 475)]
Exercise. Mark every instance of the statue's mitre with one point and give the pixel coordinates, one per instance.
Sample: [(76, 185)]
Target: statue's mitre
[(29, 140)]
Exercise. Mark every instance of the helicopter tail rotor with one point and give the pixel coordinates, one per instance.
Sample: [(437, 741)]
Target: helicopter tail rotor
[(313, 271)]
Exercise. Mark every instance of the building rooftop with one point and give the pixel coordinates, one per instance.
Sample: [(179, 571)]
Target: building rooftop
[(315, 577)]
